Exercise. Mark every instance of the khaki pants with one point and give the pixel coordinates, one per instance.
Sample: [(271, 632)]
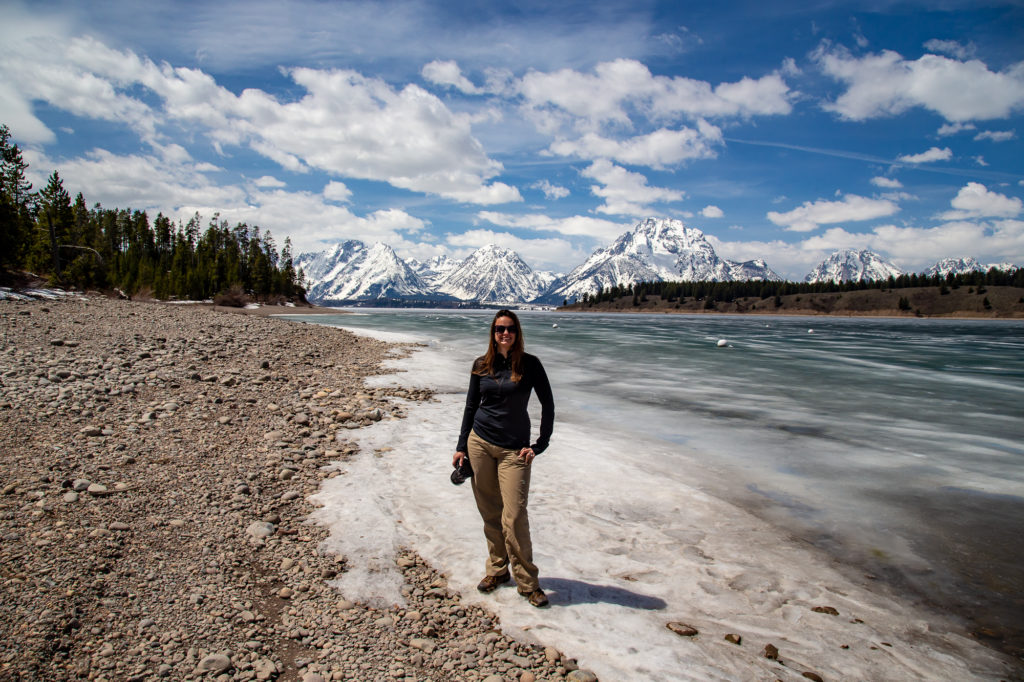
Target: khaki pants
[(501, 485)]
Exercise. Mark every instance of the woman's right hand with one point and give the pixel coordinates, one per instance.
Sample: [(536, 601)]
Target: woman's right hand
[(457, 459)]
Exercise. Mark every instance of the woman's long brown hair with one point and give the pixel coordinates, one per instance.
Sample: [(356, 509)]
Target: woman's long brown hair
[(484, 365)]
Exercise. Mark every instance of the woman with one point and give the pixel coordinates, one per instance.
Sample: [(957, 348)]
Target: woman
[(496, 437)]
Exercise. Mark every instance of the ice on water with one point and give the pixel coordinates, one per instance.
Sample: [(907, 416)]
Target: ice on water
[(626, 541)]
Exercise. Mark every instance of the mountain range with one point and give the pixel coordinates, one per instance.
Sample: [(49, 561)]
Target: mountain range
[(655, 249)]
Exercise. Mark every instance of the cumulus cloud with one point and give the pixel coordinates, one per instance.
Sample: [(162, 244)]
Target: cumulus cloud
[(974, 200), (337, 191), (886, 84), (617, 88), (550, 191), (947, 129), (712, 211), (933, 154), (346, 123), (952, 48), (448, 74), (658, 149), (888, 183), (811, 214), (147, 182), (980, 160), (268, 181), (625, 192), (573, 226), (996, 135), (911, 248)]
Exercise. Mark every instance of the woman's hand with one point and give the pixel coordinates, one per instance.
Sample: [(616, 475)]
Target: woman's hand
[(527, 455), (457, 459)]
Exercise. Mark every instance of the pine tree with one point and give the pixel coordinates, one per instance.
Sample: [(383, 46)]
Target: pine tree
[(55, 221), (15, 203)]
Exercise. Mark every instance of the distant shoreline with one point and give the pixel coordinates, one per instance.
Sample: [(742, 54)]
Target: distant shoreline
[(987, 303)]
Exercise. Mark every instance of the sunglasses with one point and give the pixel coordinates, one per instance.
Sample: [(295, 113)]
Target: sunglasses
[(501, 329)]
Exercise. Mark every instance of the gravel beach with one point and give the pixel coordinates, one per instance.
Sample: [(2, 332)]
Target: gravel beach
[(155, 465)]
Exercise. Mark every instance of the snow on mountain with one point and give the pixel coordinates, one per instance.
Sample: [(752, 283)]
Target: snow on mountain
[(849, 265), (352, 271), (495, 275), (957, 266), (752, 270), (657, 249), (433, 270)]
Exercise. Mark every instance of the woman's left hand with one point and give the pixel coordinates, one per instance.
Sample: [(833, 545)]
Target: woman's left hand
[(527, 455)]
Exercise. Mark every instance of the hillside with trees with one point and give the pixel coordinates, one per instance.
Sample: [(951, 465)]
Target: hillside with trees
[(47, 235), (992, 294)]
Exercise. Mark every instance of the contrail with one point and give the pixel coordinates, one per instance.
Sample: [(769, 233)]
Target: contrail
[(842, 154)]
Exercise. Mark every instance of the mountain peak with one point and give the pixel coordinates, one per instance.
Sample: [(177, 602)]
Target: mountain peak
[(493, 274), (657, 249), (850, 265)]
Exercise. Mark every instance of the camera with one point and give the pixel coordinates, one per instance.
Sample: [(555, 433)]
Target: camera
[(462, 472)]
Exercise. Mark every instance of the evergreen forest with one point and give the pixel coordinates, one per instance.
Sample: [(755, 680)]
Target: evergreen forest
[(726, 292), (71, 245)]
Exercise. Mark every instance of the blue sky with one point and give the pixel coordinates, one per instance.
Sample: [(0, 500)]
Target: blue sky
[(783, 130)]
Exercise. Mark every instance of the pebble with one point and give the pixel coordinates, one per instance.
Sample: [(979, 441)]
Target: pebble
[(156, 566), (260, 529), (214, 663), (682, 629), (580, 675)]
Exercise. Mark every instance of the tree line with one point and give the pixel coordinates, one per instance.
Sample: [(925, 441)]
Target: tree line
[(74, 246), (729, 291)]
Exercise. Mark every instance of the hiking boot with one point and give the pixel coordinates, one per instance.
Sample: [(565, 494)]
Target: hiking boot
[(536, 598), (491, 582)]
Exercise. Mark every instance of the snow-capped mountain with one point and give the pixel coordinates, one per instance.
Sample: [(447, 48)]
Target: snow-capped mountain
[(351, 270), (957, 266), (657, 249), (849, 265), (433, 270), (495, 275)]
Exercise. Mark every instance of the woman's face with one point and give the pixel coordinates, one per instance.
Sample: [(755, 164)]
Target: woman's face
[(505, 333)]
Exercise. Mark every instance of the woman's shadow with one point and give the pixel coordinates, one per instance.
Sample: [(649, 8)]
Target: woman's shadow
[(563, 592)]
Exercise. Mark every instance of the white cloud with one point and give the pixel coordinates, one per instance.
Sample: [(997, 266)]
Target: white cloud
[(268, 181), (616, 89), (947, 129), (712, 211), (810, 215), (657, 150), (550, 191), (573, 226), (337, 191), (974, 200), (933, 154), (888, 183), (886, 84), (952, 48), (996, 135), (346, 124), (980, 160), (911, 248), (147, 182), (625, 192), (449, 74), (142, 182)]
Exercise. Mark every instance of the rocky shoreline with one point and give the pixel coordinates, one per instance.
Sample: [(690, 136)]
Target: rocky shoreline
[(155, 469)]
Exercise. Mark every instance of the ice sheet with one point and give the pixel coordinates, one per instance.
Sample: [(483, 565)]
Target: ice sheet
[(624, 549)]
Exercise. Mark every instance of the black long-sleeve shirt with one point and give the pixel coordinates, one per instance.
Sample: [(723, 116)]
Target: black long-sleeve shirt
[(496, 406)]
